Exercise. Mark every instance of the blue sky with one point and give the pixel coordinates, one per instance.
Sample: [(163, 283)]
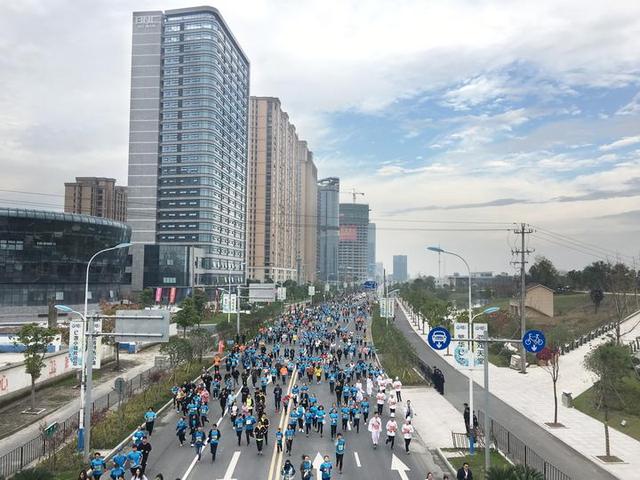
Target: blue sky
[(457, 111)]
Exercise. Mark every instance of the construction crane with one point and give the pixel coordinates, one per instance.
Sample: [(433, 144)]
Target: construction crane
[(353, 193)]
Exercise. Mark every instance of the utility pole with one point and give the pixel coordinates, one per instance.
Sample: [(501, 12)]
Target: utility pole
[(523, 230)]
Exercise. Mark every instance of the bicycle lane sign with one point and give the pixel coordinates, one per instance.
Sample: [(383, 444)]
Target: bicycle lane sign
[(534, 341)]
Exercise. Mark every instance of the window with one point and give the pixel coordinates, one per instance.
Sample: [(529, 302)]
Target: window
[(169, 280)]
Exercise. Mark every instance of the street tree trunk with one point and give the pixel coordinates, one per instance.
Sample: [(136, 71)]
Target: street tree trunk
[(117, 344), (33, 393), (555, 401), (607, 445)]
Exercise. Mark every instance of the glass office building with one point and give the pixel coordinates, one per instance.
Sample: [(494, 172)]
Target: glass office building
[(188, 146), (44, 255), (328, 229)]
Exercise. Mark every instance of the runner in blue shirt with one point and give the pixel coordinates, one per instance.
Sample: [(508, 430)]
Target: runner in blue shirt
[(333, 417), (181, 430), (325, 468), (308, 421), (214, 439), (340, 446), (199, 440), (149, 418), (346, 413), (249, 423), (238, 426), (137, 436), (279, 436), (98, 466), (288, 436), (116, 472), (135, 459), (120, 459)]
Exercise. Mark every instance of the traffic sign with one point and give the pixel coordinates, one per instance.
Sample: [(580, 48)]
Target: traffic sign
[(439, 338), (534, 341), (370, 285)]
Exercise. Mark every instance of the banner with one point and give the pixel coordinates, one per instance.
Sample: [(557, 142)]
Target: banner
[(97, 344), (229, 303), (479, 332), (172, 295), (76, 343), (281, 294), (312, 290), (348, 233), (158, 295), (461, 353)]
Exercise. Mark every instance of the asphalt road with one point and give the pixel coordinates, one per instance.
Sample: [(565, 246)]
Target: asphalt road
[(244, 463), (548, 447)]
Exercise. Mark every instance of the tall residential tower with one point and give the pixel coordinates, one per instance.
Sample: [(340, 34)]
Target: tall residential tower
[(187, 150)]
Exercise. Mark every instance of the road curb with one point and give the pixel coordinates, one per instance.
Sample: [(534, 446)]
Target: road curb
[(444, 459)]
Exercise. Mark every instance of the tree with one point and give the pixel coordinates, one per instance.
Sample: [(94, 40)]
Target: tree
[(551, 357), (595, 275), (35, 340), (179, 350), (544, 273), (597, 295), (620, 282), (200, 301), (200, 340), (147, 298), (187, 316), (610, 363)]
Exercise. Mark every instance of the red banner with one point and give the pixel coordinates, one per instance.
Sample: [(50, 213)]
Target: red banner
[(172, 295), (348, 233), (158, 295)]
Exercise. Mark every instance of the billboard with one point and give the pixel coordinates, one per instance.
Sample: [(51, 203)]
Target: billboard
[(141, 322), (348, 233), (262, 292)]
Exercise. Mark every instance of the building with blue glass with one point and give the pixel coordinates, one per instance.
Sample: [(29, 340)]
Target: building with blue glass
[(187, 150), (44, 255)]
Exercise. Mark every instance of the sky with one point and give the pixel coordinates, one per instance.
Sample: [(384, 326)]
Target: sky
[(457, 119)]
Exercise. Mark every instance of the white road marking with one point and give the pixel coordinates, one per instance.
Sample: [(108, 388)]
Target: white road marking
[(355, 454), (317, 462), (232, 466), (399, 466), (349, 426)]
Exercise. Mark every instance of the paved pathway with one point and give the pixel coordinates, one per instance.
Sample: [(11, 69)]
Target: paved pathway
[(435, 418), (531, 395)]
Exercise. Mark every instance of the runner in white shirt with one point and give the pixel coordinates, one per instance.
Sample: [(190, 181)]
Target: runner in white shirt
[(392, 404), (392, 428), (375, 425), (397, 386), (380, 399), (369, 386), (407, 434)]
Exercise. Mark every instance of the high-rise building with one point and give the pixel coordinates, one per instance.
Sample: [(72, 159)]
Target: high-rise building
[(371, 252), (400, 268), (96, 196), (187, 150), (328, 229), (307, 222), (278, 163), (353, 249)]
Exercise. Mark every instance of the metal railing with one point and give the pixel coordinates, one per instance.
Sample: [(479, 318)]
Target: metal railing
[(519, 452), (41, 446)]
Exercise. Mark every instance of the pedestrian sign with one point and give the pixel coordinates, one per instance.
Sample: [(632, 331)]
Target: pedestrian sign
[(439, 338), (534, 341)]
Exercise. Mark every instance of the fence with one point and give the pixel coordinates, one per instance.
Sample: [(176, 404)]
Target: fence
[(518, 452), (39, 447)]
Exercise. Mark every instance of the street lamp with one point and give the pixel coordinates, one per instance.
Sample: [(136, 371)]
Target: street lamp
[(470, 335), (86, 382)]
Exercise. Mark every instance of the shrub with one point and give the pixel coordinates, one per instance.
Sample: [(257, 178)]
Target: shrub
[(34, 474)]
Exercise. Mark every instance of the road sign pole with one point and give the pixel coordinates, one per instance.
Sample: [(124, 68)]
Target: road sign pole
[(487, 433), (89, 387)]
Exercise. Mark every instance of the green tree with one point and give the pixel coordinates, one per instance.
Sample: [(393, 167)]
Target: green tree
[(35, 340), (201, 342), (187, 316), (544, 272), (200, 301), (595, 275), (596, 295), (147, 298), (610, 363)]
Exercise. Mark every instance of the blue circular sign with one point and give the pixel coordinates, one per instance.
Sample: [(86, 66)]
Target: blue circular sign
[(439, 338), (534, 341)]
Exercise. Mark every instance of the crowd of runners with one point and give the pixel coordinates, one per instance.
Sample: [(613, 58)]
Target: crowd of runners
[(284, 368)]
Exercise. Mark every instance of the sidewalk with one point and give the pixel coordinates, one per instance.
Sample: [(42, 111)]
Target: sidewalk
[(532, 395), (434, 418), (145, 360)]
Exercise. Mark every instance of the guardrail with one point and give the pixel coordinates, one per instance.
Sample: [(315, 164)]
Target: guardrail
[(41, 446), (518, 452)]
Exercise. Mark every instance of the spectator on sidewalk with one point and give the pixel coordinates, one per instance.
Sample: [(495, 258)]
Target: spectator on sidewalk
[(464, 473), (467, 418)]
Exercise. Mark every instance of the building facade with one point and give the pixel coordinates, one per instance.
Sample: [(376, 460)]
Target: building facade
[(276, 156), (371, 252), (328, 214), (308, 222), (353, 247), (188, 147), (400, 273), (43, 257), (96, 196)]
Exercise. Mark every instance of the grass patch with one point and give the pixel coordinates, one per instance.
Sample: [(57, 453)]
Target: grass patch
[(626, 409), (395, 352), (476, 462)]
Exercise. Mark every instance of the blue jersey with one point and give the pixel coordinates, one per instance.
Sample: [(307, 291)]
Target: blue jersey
[(325, 468), (116, 472), (135, 458), (334, 418), (340, 444), (238, 424), (181, 426), (98, 465), (199, 437), (214, 436), (120, 460), (290, 433), (150, 416), (308, 418), (137, 437), (279, 438), (346, 411), (250, 421)]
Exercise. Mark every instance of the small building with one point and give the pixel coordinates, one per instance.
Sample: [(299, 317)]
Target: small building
[(538, 302)]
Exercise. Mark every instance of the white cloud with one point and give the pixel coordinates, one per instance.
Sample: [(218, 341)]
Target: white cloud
[(631, 108), (622, 143)]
